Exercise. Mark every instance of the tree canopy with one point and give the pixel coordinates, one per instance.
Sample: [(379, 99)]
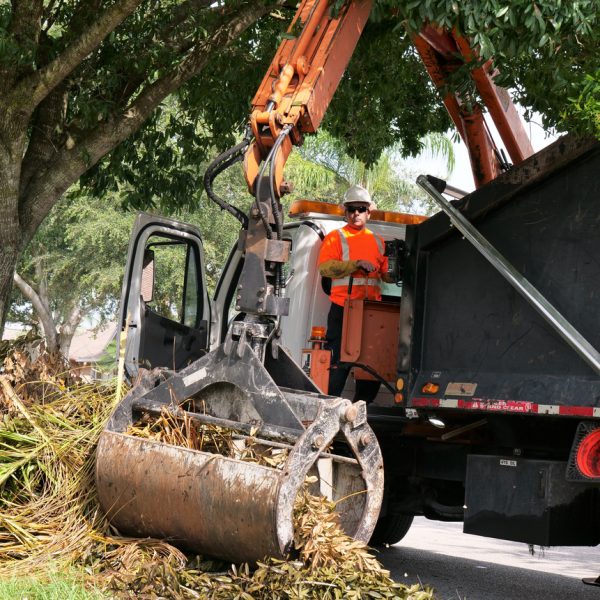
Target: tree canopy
[(131, 95), (546, 51)]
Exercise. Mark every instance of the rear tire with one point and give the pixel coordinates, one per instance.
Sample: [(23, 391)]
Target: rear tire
[(390, 529)]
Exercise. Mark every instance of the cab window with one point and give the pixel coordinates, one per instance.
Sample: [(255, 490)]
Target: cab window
[(175, 280)]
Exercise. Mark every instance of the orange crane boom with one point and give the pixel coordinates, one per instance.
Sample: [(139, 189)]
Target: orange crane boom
[(443, 52), (301, 80)]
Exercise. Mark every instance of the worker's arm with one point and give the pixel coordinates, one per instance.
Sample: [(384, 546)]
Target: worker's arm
[(337, 269)]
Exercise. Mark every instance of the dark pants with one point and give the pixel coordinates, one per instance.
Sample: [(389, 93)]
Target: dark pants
[(364, 390), (337, 376)]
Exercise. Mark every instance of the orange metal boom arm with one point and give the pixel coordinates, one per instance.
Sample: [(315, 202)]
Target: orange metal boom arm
[(301, 80), (442, 53), (308, 66)]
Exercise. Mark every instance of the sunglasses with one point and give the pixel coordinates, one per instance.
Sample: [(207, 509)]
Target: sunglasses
[(360, 209)]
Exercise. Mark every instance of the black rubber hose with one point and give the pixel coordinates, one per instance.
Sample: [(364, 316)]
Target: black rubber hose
[(368, 369), (222, 162), (274, 204), (259, 180), (277, 214), (270, 160)]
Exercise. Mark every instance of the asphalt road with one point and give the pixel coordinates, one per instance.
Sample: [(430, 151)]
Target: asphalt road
[(468, 567)]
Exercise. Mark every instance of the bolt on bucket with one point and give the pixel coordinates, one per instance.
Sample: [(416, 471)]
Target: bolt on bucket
[(220, 505)]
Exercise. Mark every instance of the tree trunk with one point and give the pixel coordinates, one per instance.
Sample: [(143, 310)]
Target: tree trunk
[(43, 312), (68, 328), (11, 237), (9, 255), (13, 131)]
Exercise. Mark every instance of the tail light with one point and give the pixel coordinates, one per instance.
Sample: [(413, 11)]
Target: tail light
[(588, 454), (584, 461)]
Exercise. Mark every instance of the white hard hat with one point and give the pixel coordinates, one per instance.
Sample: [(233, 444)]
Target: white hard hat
[(357, 194)]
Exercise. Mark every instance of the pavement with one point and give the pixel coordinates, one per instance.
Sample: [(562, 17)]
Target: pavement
[(460, 566)]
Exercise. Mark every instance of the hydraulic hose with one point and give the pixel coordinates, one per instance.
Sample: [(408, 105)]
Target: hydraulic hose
[(270, 160), (368, 369), (259, 180), (274, 204), (222, 162)]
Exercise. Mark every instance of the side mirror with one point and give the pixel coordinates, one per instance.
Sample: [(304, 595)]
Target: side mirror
[(147, 286)]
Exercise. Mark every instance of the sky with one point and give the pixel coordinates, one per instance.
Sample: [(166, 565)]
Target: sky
[(461, 177)]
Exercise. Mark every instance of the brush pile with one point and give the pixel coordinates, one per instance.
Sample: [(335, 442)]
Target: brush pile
[(49, 514)]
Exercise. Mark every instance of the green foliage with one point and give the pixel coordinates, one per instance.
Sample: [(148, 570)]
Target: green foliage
[(369, 112), (81, 249), (544, 50), (584, 108), (78, 255), (201, 119), (386, 97), (322, 170)]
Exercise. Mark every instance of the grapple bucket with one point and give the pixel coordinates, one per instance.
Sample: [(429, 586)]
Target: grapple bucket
[(225, 507)]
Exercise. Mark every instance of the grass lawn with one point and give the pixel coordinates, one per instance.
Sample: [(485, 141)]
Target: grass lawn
[(48, 586)]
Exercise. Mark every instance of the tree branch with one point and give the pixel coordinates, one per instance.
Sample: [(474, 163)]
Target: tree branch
[(70, 164), (25, 28), (185, 10), (25, 18), (41, 309), (42, 290), (44, 140), (33, 89)]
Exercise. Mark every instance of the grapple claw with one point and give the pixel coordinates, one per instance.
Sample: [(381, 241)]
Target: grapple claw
[(222, 506)]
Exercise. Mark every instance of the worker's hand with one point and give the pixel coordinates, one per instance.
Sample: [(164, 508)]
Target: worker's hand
[(365, 265)]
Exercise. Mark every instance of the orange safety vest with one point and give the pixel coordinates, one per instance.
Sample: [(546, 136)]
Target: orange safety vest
[(348, 244)]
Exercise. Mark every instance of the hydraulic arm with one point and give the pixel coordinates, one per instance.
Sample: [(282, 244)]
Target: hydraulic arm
[(443, 52), (300, 82)]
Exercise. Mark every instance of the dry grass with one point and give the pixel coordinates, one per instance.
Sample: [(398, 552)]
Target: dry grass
[(49, 514), (187, 432)]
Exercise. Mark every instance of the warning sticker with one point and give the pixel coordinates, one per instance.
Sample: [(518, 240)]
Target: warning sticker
[(460, 389)]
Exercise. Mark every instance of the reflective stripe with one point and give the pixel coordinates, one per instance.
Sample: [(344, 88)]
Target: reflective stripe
[(345, 282), (345, 247), (380, 245)]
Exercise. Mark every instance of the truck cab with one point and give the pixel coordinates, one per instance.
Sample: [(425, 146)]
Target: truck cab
[(164, 253)]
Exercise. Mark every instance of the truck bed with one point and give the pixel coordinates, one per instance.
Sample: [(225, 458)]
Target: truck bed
[(468, 332)]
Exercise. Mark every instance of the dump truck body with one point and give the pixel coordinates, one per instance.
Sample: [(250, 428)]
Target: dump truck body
[(514, 398)]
